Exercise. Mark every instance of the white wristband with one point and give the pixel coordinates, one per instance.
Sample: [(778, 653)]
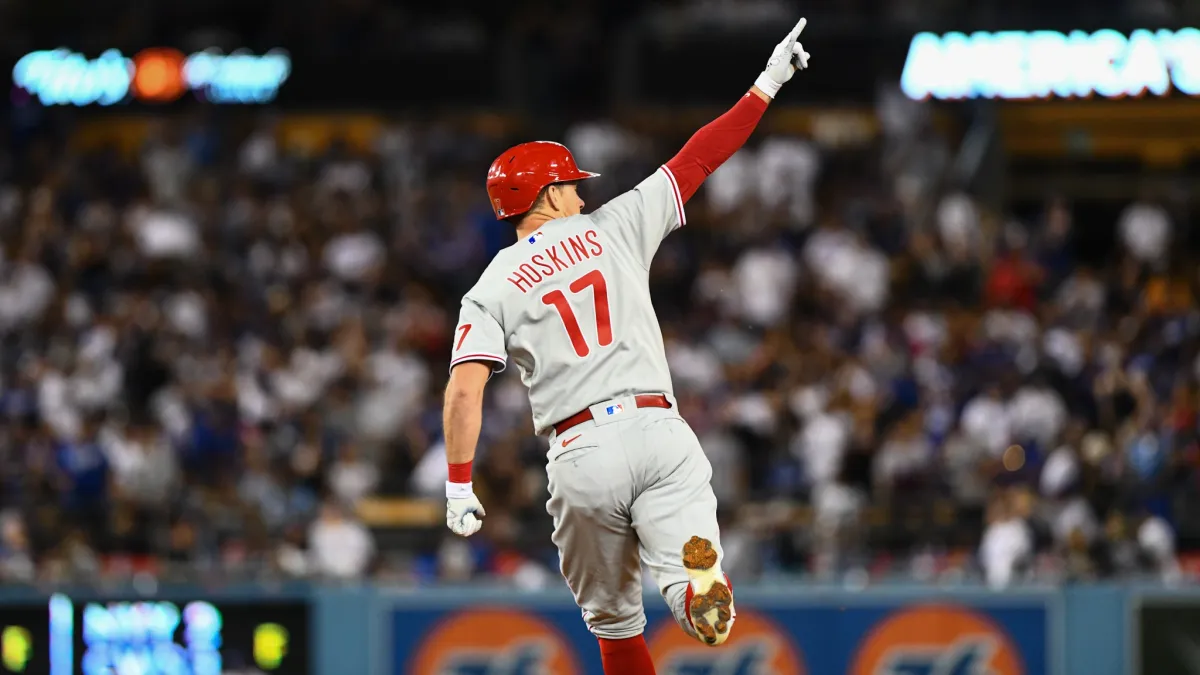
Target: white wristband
[(458, 490), (767, 85)]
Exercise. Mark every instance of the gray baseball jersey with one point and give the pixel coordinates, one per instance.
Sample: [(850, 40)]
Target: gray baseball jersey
[(570, 305)]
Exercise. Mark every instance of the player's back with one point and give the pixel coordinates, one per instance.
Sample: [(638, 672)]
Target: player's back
[(571, 306)]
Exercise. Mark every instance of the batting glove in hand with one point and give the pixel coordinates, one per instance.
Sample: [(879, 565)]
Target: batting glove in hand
[(463, 510), (788, 56)]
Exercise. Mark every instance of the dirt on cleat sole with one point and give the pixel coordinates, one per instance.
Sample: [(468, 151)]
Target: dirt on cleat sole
[(717, 598), (711, 606), (699, 554)]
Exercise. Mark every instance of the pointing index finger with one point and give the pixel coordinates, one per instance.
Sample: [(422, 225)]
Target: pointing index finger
[(798, 29)]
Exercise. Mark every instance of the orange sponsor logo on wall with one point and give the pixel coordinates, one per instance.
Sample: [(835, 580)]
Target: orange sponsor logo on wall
[(494, 641), (756, 645), (937, 639)]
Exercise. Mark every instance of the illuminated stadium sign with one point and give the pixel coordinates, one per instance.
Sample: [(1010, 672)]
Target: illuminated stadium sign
[(1017, 65), (157, 75)]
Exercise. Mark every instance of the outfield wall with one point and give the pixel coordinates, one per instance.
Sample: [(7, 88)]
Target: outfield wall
[(784, 630)]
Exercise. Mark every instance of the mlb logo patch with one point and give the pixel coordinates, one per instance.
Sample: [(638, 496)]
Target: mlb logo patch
[(534, 237), (614, 409)]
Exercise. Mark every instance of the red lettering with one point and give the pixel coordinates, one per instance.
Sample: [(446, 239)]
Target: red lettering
[(517, 279), (567, 250), (553, 253), (465, 328), (558, 300), (580, 250), (539, 260), (594, 239), (533, 274), (599, 287)]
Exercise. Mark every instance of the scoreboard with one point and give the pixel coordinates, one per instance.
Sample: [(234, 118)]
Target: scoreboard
[(189, 636)]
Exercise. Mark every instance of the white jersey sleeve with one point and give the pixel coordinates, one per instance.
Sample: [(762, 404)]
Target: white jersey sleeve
[(478, 337), (644, 216)]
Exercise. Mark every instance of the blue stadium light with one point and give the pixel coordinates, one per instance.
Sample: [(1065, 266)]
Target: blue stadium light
[(240, 77)]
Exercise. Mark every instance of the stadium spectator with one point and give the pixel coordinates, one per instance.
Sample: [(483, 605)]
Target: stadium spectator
[(340, 547)]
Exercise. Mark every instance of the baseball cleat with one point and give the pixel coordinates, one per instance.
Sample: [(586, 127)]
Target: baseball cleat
[(709, 599)]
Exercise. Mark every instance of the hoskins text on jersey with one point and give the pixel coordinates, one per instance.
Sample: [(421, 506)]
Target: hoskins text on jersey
[(561, 256)]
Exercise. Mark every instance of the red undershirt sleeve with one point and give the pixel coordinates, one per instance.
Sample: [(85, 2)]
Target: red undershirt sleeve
[(714, 143)]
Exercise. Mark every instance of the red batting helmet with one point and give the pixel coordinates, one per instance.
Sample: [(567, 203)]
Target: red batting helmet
[(519, 174)]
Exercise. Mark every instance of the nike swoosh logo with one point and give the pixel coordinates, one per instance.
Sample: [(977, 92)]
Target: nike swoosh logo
[(571, 440)]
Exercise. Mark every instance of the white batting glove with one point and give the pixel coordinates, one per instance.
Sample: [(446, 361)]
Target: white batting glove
[(788, 56), (463, 509)]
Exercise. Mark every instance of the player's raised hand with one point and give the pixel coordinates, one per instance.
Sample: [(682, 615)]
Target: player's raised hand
[(788, 56), (463, 515)]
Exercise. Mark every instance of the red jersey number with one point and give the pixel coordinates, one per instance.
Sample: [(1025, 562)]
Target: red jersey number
[(463, 330), (558, 300)]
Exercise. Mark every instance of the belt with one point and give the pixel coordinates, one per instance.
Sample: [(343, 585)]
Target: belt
[(585, 415)]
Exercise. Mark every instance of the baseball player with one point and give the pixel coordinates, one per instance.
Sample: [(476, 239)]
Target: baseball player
[(569, 303)]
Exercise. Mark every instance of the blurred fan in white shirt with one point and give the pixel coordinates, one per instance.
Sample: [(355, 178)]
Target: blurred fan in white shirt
[(985, 421), (1007, 545), (1145, 230), (339, 547)]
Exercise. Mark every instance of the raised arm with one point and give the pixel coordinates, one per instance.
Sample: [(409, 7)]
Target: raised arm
[(645, 215), (716, 142)]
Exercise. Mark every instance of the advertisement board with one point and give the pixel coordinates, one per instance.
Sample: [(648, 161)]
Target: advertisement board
[(1024, 65), (181, 636), (1167, 635), (876, 637), (164, 75)]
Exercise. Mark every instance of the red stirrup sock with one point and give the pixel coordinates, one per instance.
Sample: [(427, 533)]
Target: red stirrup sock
[(626, 657)]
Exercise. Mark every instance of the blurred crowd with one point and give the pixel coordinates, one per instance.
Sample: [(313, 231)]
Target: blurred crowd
[(213, 350)]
